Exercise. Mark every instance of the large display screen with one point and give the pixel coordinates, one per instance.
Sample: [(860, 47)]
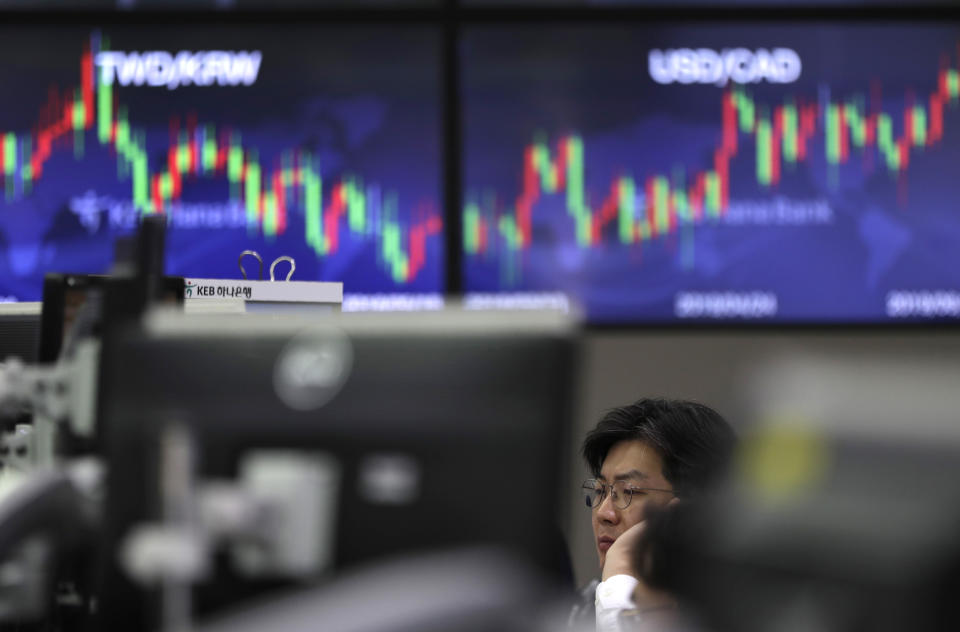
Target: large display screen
[(665, 172), (321, 143), (207, 5), (718, 4)]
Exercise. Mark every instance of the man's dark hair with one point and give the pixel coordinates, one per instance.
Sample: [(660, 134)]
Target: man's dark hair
[(694, 441)]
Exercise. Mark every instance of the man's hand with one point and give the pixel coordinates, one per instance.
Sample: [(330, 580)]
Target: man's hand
[(620, 555), (620, 561)]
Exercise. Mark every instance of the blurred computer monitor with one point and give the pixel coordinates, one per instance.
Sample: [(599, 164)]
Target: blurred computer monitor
[(446, 430), (65, 295), (19, 330)]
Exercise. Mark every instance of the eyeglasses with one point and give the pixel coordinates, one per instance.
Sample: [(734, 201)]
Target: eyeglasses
[(621, 492)]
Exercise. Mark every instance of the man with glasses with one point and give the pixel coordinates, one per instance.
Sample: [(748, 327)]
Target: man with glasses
[(642, 456)]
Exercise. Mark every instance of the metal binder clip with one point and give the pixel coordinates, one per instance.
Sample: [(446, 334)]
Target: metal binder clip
[(250, 253), (293, 266)]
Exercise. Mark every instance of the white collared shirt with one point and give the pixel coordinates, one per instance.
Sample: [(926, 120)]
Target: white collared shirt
[(613, 597)]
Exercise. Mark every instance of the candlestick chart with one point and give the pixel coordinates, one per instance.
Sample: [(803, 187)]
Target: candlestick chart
[(726, 4), (796, 173), (284, 140)]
